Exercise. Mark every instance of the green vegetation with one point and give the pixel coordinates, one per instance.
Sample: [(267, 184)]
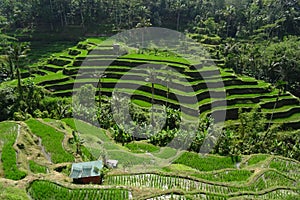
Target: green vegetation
[(36, 168), (48, 190), (256, 159), (235, 58), (226, 176), (9, 132), (165, 153), (168, 182), (87, 129), (204, 163), (12, 193), (42, 50), (127, 159), (141, 147), (51, 139)]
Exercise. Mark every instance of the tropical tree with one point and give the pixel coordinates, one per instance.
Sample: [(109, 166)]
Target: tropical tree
[(16, 53), (78, 142), (168, 79), (99, 87), (143, 24), (152, 79), (281, 86)]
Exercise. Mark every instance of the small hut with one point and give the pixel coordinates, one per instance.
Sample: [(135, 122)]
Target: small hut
[(112, 163), (87, 172)]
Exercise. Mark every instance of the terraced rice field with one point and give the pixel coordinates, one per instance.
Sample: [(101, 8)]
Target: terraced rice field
[(206, 84), (269, 181), (48, 190), (259, 177), (52, 140)]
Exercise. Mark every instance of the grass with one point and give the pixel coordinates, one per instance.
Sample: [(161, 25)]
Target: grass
[(8, 136), (86, 129), (42, 50), (204, 163), (165, 153), (254, 159), (95, 139), (141, 147), (293, 118), (50, 77), (178, 168), (157, 58), (226, 176), (126, 158), (47, 190), (12, 193), (56, 123), (141, 103), (99, 40), (281, 109), (36, 168), (52, 141)]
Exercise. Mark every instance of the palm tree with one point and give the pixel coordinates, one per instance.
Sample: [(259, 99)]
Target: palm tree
[(151, 78), (78, 142), (280, 85), (178, 8), (16, 52), (143, 24), (168, 79), (99, 86), (5, 59)]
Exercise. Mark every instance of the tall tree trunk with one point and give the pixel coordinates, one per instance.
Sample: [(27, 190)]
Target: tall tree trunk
[(19, 82), (100, 94), (168, 92), (178, 21), (271, 118), (51, 8), (152, 103), (82, 18), (11, 68)]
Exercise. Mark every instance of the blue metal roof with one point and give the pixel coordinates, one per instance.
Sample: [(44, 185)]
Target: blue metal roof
[(86, 169)]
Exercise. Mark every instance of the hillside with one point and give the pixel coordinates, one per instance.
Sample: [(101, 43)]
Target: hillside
[(149, 100), (207, 84), (139, 175)]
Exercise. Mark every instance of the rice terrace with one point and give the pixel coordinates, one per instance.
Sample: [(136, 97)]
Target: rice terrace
[(149, 100)]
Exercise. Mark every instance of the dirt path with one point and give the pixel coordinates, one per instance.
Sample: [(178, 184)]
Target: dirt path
[(47, 156)]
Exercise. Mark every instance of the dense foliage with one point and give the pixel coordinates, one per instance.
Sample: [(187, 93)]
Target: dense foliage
[(251, 136), (270, 60), (35, 102), (8, 156), (227, 18)]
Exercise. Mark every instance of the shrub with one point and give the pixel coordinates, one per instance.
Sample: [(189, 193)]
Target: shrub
[(74, 52), (18, 116)]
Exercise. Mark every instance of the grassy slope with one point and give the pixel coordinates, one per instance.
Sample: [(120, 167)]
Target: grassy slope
[(52, 140), (190, 173)]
